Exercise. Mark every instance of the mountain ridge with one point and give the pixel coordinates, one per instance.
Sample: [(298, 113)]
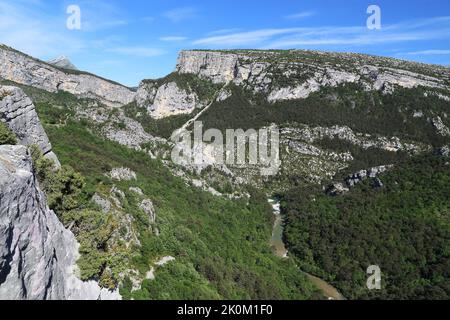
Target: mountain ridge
[(282, 75), (62, 62), (21, 68)]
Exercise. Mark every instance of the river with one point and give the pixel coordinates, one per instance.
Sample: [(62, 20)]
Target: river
[(280, 250), (276, 241)]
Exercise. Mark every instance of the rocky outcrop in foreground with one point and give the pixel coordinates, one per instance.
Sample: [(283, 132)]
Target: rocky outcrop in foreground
[(19, 113), (37, 254), (20, 68)]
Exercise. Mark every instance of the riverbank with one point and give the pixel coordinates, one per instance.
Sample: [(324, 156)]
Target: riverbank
[(279, 247)]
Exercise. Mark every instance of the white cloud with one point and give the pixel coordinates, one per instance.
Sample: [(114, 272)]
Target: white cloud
[(300, 15), (362, 38), (223, 31), (26, 26), (181, 14), (436, 52), (173, 39), (332, 36), (137, 51), (244, 38)]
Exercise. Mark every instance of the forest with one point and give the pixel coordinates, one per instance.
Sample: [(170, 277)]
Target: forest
[(348, 105), (402, 227), (221, 246)]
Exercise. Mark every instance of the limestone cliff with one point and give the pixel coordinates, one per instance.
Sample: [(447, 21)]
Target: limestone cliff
[(295, 74), (286, 75), (216, 66), (19, 113), (20, 68), (37, 254), (169, 99)]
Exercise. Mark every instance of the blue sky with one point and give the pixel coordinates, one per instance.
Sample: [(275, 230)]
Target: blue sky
[(128, 41)]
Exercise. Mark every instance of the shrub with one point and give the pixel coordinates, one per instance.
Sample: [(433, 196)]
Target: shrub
[(63, 187), (98, 260), (6, 136)]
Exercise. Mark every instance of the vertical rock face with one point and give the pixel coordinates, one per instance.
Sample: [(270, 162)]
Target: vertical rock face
[(167, 99), (171, 100), (35, 249), (20, 68), (149, 209), (293, 75), (37, 254), (281, 76), (217, 66), (19, 114)]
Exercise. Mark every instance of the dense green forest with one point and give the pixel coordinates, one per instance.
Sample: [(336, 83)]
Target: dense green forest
[(349, 105), (402, 227), (221, 246), (163, 128)]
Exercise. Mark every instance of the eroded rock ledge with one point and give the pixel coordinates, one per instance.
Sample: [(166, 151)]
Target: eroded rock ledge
[(19, 113), (37, 254), (259, 71)]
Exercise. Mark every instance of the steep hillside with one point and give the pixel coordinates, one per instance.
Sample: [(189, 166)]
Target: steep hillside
[(145, 231), (38, 255), (338, 111), (398, 221), (20, 68), (345, 120), (364, 145)]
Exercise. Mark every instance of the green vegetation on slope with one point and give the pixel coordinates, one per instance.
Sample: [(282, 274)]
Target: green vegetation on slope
[(68, 195), (403, 228), (163, 128), (349, 105), (221, 246), (363, 158)]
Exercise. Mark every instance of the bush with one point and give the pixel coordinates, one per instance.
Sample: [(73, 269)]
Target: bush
[(6, 136), (63, 187), (98, 260)]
